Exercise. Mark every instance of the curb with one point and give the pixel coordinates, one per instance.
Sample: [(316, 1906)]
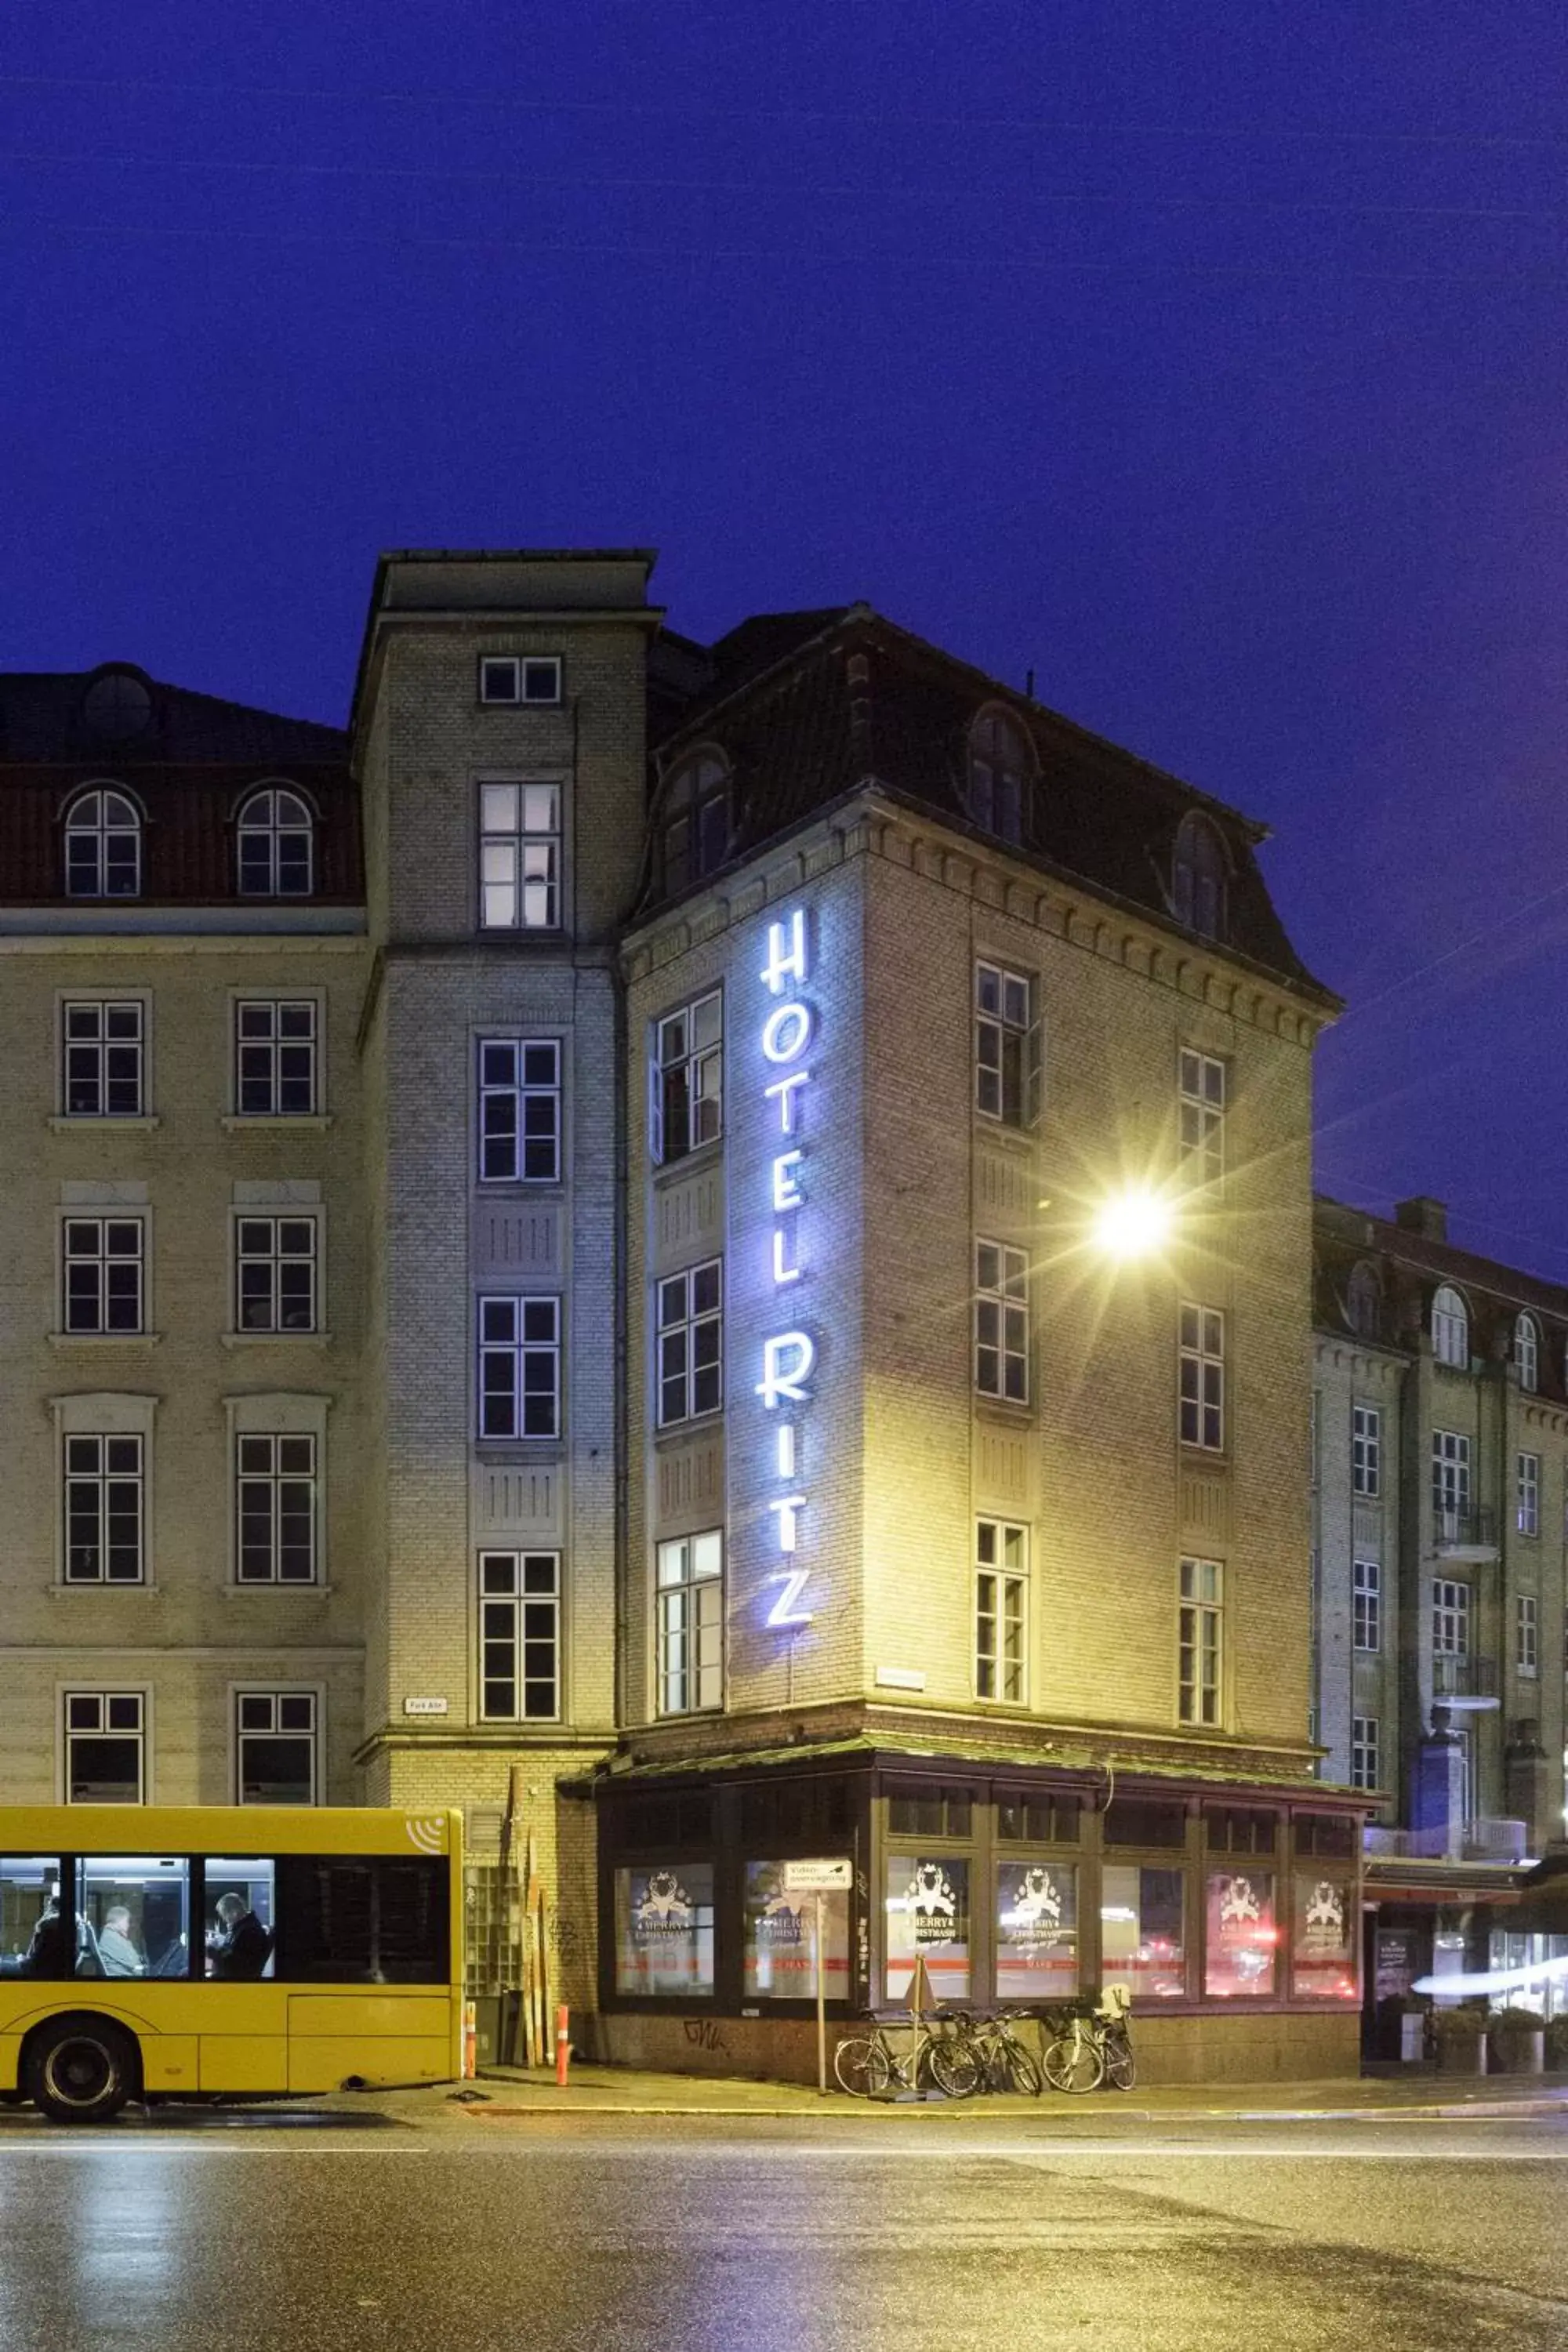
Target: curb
[(1478, 2111)]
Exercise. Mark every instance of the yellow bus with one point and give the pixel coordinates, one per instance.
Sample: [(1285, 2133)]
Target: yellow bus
[(164, 1952)]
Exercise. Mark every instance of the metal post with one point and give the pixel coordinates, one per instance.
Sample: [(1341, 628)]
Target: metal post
[(821, 2011), (562, 2044)]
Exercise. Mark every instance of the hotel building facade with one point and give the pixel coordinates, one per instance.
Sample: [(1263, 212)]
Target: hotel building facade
[(553, 1259)]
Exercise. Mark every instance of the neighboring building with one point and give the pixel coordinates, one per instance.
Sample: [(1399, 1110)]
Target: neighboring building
[(1440, 1505), (630, 1348)]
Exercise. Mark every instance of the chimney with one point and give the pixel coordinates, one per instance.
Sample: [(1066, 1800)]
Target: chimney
[(1423, 1215)]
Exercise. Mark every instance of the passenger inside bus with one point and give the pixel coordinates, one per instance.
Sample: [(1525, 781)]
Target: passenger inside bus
[(239, 1946)]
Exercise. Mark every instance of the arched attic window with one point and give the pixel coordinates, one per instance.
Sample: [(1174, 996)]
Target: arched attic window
[(1450, 1328), (1363, 1301), (104, 845), (1527, 1351), (697, 820), (1001, 775), (1198, 874), (277, 845)]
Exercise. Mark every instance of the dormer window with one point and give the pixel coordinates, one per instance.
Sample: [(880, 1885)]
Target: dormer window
[(277, 833), (103, 845), (1198, 873), (1450, 1328), (1363, 1302), (1001, 772), (1526, 1352), (519, 679), (696, 821)]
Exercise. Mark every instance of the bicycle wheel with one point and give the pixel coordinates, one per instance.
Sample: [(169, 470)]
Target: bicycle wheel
[(1074, 2063), (861, 2066), (954, 2068), (1021, 2072), (1121, 2066)]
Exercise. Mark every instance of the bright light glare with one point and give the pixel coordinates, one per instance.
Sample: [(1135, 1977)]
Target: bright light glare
[(1133, 1224)]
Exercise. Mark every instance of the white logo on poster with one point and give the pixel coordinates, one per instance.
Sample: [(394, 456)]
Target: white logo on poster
[(666, 1907), (933, 1902), (1036, 1903), (1239, 1906), (780, 1922), (1327, 1908)]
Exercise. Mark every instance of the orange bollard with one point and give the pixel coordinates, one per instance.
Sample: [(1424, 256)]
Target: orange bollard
[(471, 2040), (563, 2045)]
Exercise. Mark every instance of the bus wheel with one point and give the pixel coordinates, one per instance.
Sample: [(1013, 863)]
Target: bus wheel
[(80, 2070)]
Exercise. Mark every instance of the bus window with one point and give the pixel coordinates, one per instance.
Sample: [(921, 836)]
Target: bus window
[(240, 1931), (364, 1919), (34, 1939), (135, 1915)]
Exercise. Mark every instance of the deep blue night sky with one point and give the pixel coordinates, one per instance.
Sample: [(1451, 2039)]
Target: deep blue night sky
[(1209, 359)]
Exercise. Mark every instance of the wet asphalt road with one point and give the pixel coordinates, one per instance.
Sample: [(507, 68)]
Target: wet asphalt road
[(449, 2232)]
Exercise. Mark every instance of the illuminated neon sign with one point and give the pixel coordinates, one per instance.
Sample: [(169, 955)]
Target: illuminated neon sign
[(789, 1357)]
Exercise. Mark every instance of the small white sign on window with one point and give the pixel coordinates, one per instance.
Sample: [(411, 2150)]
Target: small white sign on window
[(818, 1877)]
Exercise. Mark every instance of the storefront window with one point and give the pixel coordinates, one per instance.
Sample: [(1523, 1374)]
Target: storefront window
[(664, 1930), (780, 1961), (1141, 1931), (1037, 1931), (1243, 1940), (928, 1916), (1323, 1958)]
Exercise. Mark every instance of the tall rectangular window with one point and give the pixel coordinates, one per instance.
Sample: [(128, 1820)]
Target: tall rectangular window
[(1006, 1046), (1365, 1761), (102, 1274), (276, 1762), (690, 1343), (1527, 1494), (1200, 1103), (275, 1061), (1526, 1634), (519, 1637), (519, 1368), (689, 1594), (1201, 1642), (103, 1508), (275, 1274), (1001, 1611), (1002, 1321), (686, 1079), (103, 1047), (1202, 1377), (1450, 1618), (519, 857), (1450, 1485), (1366, 1450), (275, 1498), (106, 1748), (1367, 1603), (520, 1110)]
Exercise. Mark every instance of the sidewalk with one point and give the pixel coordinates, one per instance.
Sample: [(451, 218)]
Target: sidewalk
[(621, 2091)]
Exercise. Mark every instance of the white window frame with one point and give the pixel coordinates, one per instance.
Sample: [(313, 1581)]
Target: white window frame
[(520, 1348), (87, 1464), (1202, 1082), (97, 1052), (270, 813), (101, 1414), (1008, 1057), (1527, 1351), (278, 1414), (1002, 1612), (520, 853), (534, 682), (527, 1055), (1200, 1644), (266, 1051), (1527, 1494), (504, 1617), (141, 1732), (276, 1256), (1450, 1328), (1200, 1376), (681, 1328), (686, 1042), (1366, 1450), (1451, 1617), (1450, 1484), (1366, 1762), (268, 1475), (1002, 1334), (1526, 1635), (688, 1620), (75, 1222), (1366, 1605), (88, 818), (295, 1694)]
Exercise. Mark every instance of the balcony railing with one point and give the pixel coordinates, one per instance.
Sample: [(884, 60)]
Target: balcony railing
[(1466, 1529), (1457, 1677), (1491, 1839)]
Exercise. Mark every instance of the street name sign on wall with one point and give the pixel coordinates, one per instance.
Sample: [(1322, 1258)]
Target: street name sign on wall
[(424, 1706), (818, 1877)]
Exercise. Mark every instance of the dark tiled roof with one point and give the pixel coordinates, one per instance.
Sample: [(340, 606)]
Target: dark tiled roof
[(42, 721), (781, 706), (1410, 1267)]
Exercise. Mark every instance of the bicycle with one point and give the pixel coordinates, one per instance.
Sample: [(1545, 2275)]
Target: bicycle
[(1090, 2043), (1004, 2061), (868, 2065)]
